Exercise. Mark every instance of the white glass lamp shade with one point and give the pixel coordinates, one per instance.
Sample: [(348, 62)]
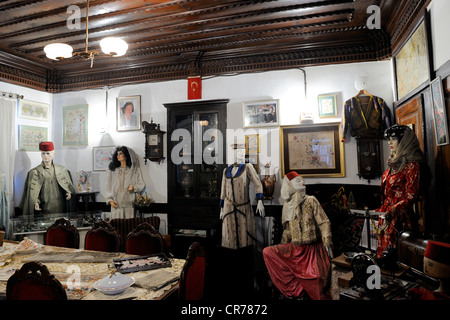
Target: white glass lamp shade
[(55, 51), (114, 46)]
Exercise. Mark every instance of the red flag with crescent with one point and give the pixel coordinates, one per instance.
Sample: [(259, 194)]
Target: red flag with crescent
[(194, 88)]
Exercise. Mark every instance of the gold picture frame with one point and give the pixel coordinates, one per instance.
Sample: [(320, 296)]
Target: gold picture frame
[(251, 144), (312, 150)]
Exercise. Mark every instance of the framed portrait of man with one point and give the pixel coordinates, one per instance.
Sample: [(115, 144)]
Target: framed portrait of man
[(129, 113)]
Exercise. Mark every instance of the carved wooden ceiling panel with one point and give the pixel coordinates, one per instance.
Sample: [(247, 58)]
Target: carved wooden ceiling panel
[(179, 38)]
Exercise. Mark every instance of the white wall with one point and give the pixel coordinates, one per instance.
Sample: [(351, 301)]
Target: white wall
[(287, 86), (440, 25)]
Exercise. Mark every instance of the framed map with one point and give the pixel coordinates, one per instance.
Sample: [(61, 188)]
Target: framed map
[(30, 137), (312, 150), (75, 125), (412, 62), (33, 110)]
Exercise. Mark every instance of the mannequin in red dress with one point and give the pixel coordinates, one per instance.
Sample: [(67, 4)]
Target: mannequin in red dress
[(399, 186)]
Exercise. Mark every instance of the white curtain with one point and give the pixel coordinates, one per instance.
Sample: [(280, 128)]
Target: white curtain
[(7, 155)]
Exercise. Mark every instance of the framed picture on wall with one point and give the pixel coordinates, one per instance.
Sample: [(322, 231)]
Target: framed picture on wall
[(128, 113), (327, 105), (102, 157), (30, 137), (75, 125), (439, 113), (33, 110), (261, 113), (312, 150), (252, 143), (412, 61), (410, 114)]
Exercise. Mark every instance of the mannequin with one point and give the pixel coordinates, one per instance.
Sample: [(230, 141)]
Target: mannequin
[(399, 186), (436, 263), (47, 186), (124, 179), (238, 227), (301, 265)]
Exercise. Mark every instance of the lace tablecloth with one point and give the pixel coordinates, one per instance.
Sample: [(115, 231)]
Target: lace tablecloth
[(89, 266)]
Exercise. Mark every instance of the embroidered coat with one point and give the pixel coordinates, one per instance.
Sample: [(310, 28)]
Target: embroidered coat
[(48, 187), (371, 123), (238, 226), (399, 193), (310, 225)]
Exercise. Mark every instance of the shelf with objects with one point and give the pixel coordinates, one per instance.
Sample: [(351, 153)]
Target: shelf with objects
[(35, 226), (196, 135)]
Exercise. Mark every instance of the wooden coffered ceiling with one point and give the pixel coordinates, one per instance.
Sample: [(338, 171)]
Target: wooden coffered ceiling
[(180, 38)]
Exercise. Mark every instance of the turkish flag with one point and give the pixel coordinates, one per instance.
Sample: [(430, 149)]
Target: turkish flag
[(194, 88)]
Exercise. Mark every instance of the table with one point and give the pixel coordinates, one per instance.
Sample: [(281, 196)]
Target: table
[(92, 266)]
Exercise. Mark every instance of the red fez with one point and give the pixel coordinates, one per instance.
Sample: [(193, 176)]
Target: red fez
[(438, 251), (46, 146), (291, 175)]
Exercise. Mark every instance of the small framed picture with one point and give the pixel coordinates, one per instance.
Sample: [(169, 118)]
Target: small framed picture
[(102, 157), (439, 113), (33, 110), (327, 105), (30, 137), (261, 113), (252, 143), (129, 113)]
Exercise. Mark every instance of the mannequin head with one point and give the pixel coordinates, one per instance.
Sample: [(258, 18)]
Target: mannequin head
[(394, 135), (47, 152), (296, 180), (121, 154)]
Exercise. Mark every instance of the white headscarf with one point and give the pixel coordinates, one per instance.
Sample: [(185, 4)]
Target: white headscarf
[(293, 199)]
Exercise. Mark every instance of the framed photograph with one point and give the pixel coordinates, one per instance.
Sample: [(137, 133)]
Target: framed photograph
[(327, 105), (410, 114), (102, 157), (412, 61), (252, 143), (30, 137), (33, 110), (261, 113), (128, 113), (312, 150), (75, 125), (439, 113)]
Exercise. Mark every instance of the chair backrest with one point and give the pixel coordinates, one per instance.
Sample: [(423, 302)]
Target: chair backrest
[(145, 240), (63, 234), (192, 278), (125, 226), (34, 282), (102, 237)]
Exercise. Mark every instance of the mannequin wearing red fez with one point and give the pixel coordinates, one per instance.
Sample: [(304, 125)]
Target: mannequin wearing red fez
[(301, 265), (47, 186)]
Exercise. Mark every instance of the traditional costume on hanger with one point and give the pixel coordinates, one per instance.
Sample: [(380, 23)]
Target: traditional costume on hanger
[(117, 183), (47, 186), (301, 262), (238, 227), (365, 121), (399, 187)]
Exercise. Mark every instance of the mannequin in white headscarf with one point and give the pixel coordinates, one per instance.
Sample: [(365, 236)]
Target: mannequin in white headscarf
[(124, 179), (300, 266)]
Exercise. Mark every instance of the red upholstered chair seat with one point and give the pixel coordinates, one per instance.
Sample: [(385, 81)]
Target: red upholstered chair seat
[(34, 282), (192, 279), (102, 237), (62, 234), (145, 240)]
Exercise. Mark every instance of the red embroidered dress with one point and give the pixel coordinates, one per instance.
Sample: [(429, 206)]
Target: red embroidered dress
[(399, 193)]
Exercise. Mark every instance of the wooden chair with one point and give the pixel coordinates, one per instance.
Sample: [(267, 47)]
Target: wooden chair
[(63, 234), (34, 282), (192, 278), (102, 237), (145, 240)]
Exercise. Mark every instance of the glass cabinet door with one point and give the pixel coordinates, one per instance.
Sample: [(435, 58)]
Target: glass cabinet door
[(184, 171), (211, 149)]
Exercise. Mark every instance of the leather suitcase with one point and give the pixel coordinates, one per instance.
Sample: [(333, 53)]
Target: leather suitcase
[(411, 248)]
